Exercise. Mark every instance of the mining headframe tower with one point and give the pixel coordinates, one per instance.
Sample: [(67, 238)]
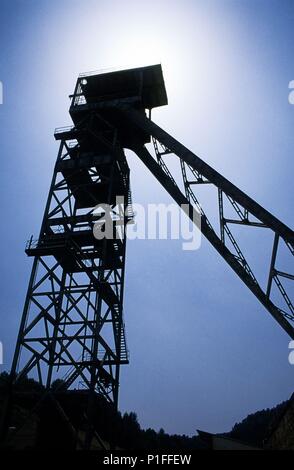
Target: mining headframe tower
[(72, 326)]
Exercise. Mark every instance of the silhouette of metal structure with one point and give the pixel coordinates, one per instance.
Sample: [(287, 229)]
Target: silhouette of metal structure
[(72, 326)]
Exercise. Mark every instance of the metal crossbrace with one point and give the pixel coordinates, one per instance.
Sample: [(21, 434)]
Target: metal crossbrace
[(118, 321), (284, 294), (225, 230), (243, 215), (192, 197), (188, 191), (223, 240), (160, 160)]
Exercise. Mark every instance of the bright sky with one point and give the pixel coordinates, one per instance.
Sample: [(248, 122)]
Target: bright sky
[(204, 353)]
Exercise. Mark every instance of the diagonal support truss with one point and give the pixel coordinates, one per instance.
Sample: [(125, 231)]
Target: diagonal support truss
[(246, 212)]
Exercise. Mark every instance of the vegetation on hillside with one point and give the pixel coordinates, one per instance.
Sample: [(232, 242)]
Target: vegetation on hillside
[(123, 431)]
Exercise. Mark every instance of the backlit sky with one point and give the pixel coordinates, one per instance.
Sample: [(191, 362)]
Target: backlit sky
[(204, 353)]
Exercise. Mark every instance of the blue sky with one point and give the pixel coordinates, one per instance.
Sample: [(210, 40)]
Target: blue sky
[(204, 353)]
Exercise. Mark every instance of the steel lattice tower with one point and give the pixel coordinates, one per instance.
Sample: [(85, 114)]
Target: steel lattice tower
[(72, 326), (73, 318)]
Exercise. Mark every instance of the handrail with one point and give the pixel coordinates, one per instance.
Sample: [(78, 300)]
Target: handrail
[(59, 130)]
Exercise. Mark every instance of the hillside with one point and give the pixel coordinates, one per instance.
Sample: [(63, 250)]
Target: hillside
[(120, 431)]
